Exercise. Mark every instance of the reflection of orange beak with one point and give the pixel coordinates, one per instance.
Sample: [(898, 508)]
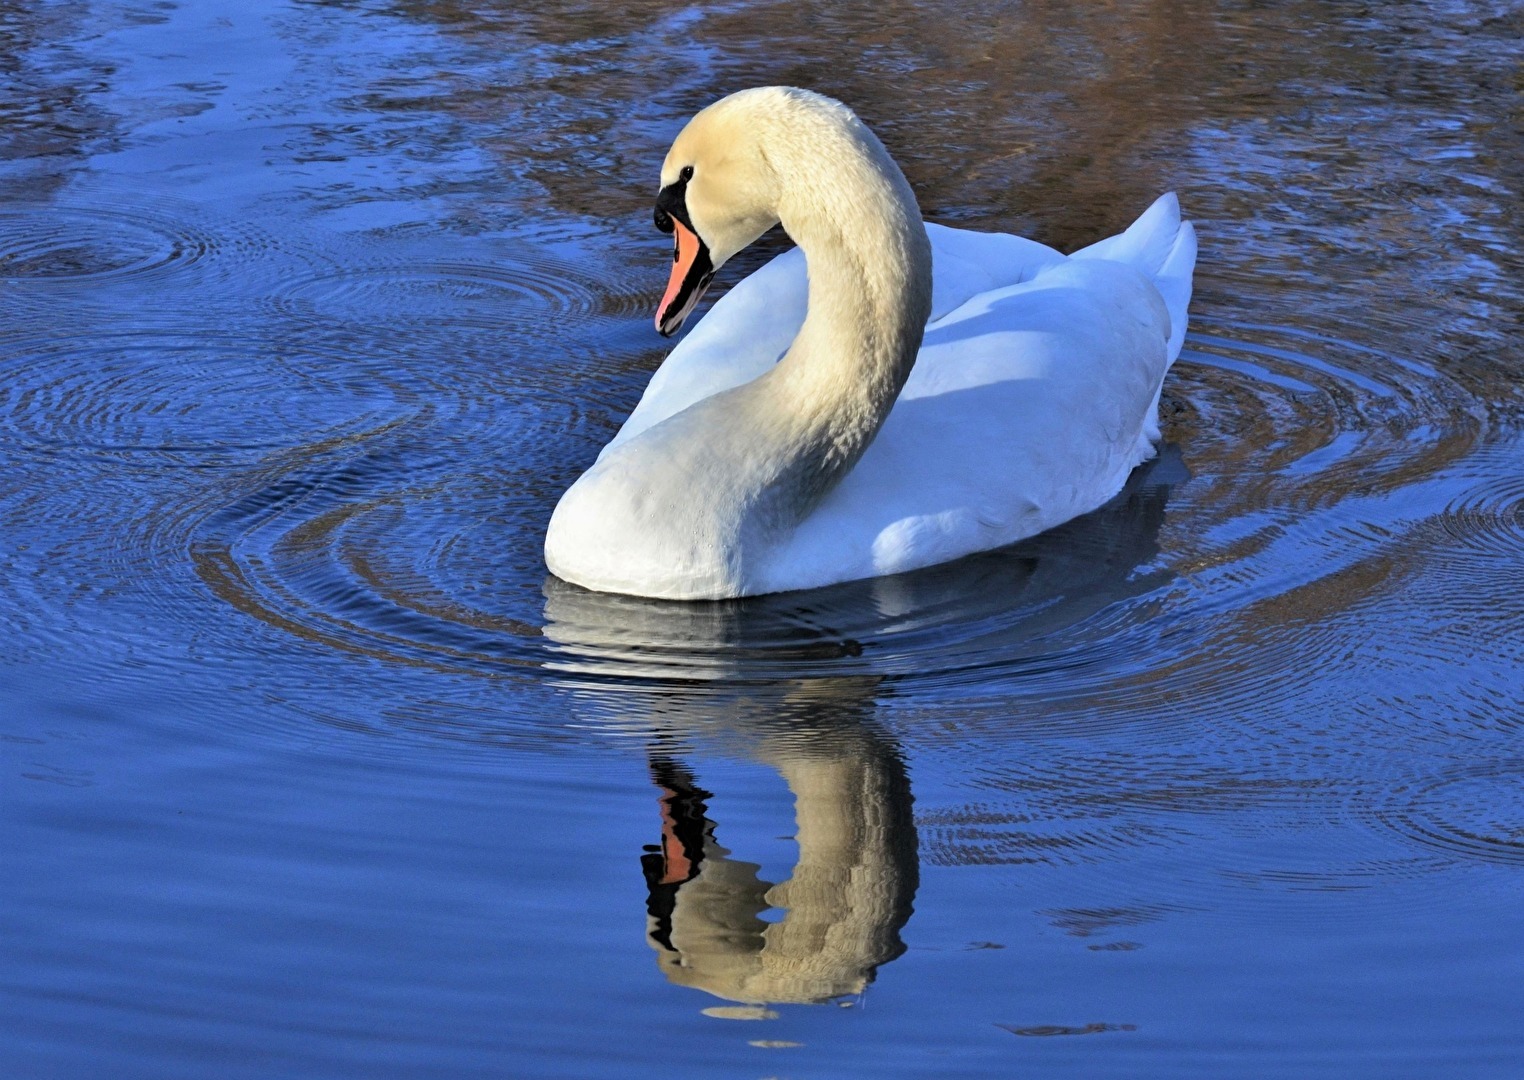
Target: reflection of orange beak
[(691, 274), (677, 868)]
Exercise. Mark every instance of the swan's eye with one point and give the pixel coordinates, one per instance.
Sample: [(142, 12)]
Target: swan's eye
[(687, 173)]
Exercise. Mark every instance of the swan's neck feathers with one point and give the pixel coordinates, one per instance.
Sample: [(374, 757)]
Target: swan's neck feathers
[(851, 211)]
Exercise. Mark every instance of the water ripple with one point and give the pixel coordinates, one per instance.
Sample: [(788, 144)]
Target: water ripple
[(143, 255), (1487, 519), (530, 294), (171, 396), (387, 473), (439, 563), (68, 245), (1474, 812)]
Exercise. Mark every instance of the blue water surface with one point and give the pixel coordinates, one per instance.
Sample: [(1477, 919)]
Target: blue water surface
[(311, 311)]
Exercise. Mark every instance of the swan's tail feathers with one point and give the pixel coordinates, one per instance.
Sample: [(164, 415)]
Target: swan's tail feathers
[(1164, 248), (1146, 243), (1174, 283)]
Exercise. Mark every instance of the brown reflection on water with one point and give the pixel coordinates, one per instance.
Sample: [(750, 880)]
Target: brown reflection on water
[(1088, 101), (50, 112), (986, 111), (1344, 162)]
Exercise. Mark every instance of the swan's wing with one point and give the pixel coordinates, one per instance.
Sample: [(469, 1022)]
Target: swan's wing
[(965, 264), (1164, 248), (744, 334), (750, 328), (1027, 409)]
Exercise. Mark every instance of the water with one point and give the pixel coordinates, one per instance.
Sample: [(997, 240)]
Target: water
[(311, 310)]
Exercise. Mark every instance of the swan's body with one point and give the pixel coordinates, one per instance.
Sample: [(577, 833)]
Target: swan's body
[(806, 434)]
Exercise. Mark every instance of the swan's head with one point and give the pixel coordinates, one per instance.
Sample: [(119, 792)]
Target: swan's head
[(720, 185)]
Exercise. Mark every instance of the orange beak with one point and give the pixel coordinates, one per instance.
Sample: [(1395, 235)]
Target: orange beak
[(691, 273)]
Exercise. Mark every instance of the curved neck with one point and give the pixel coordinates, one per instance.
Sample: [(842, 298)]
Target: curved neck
[(869, 265)]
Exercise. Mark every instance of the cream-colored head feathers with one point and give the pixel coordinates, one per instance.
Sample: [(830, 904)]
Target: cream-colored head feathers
[(756, 152)]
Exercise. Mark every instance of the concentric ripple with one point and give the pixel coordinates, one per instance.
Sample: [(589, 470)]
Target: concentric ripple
[(1471, 813), (134, 254), (1488, 519), (73, 244), (529, 294), (349, 544), (450, 573), (171, 395), (414, 419)]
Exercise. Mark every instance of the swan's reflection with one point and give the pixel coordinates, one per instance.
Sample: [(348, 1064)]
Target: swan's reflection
[(789, 681), (851, 889)]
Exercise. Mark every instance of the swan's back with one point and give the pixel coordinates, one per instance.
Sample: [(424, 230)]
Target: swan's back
[(1029, 404), (751, 327)]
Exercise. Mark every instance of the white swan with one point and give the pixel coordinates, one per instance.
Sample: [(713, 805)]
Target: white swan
[(806, 433)]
